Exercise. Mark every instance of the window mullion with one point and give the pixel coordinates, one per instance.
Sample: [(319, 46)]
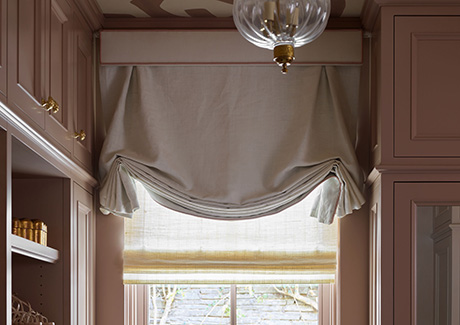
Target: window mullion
[(233, 304)]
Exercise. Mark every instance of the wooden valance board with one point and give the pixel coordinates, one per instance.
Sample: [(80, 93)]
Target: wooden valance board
[(191, 47)]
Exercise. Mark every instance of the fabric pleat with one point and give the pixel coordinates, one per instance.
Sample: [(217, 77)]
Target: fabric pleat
[(227, 142)]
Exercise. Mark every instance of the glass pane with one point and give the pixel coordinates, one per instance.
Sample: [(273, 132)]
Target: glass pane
[(189, 305), (277, 304), (433, 263)]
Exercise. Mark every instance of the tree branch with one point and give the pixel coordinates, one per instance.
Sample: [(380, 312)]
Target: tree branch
[(297, 296), (169, 301)]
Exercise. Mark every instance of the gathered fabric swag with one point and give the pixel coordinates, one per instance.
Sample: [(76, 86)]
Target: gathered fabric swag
[(228, 142)]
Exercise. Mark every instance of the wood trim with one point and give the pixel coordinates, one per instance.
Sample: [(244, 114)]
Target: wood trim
[(204, 23), (5, 228), (372, 7), (369, 16), (233, 305), (419, 169), (34, 250), (3, 50), (407, 197), (109, 269), (352, 283), (33, 139), (136, 304), (91, 12), (374, 301), (83, 212), (455, 226), (140, 47), (327, 304), (415, 3)]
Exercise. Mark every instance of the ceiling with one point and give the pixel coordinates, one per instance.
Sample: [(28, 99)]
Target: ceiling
[(200, 8)]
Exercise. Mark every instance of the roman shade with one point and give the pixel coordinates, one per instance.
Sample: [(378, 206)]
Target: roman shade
[(162, 246), (228, 142)]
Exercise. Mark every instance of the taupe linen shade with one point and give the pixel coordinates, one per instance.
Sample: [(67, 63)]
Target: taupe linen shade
[(227, 142)]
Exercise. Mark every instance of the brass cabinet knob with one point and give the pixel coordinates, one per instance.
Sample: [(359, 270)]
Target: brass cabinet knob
[(80, 135), (50, 105)]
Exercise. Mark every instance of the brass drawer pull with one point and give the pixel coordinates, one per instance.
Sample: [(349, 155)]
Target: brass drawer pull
[(50, 105), (80, 136)]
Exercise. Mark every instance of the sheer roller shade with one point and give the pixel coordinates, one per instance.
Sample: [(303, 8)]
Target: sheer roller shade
[(228, 142), (163, 246)]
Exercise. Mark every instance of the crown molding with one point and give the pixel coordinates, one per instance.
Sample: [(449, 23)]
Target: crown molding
[(369, 15), (91, 12), (372, 8)]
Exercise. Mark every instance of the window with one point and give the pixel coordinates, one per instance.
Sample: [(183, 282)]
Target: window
[(230, 304), (189, 270)]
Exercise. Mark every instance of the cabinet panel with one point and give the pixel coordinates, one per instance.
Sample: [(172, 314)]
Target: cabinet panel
[(58, 62), (423, 266), (83, 96), (5, 228), (443, 281), (426, 86), (84, 225), (3, 38), (25, 58)]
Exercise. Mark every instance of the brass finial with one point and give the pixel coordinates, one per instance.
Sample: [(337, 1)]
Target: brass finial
[(283, 56)]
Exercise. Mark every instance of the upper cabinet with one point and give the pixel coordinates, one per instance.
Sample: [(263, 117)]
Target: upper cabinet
[(83, 116), (427, 96), (50, 69), (27, 51), (3, 38), (58, 120), (416, 88)]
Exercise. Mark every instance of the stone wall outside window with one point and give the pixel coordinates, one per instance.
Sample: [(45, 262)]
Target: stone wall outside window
[(256, 304)]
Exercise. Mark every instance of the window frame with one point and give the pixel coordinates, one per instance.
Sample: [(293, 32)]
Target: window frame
[(136, 302)]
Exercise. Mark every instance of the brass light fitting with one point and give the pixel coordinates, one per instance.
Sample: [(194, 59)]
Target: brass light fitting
[(283, 55), (281, 24)]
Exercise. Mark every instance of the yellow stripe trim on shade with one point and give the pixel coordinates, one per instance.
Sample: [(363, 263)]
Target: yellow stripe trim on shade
[(227, 278)]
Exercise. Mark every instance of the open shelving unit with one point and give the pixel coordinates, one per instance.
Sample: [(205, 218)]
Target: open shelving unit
[(33, 250), (41, 275)]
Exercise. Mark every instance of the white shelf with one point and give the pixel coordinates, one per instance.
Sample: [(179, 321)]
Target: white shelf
[(31, 249)]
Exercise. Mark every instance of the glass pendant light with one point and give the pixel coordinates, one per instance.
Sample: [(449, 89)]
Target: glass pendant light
[(281, 25)]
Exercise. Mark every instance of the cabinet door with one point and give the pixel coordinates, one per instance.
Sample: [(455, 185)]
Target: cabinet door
[(26, 37), (84, 224), (3, 38), (57, 123), (83, 117), (426, 255), (427, 83)]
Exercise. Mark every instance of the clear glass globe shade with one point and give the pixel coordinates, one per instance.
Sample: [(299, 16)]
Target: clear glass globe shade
[(269, 23)]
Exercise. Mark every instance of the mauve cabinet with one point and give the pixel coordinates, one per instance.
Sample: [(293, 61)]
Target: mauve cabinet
[(84, 227), (27, 52), (49, 70), (38, 57), (57, 63), (415, 186), (3, 39), (82, 92), (58, 280), (427, 86)]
